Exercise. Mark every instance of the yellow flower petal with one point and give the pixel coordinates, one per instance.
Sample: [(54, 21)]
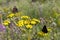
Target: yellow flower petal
[(34, 19), (27, 22), (11, 15), (25, 17), (28, 26), (20, 23), (6, 22), (33, 22)]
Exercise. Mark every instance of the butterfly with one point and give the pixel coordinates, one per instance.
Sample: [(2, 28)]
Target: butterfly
[(15, 9), (44, 30)]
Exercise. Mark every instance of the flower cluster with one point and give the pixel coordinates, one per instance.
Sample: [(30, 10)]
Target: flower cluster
[(6, 22), (27, 21)]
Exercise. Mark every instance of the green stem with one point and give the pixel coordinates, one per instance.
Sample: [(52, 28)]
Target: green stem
[(29, 38)]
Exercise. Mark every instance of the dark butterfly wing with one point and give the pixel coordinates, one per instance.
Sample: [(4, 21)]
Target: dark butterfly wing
[(44, 29), (15, 10)]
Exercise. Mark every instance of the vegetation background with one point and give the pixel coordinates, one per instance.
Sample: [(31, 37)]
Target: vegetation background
[(47, 9)]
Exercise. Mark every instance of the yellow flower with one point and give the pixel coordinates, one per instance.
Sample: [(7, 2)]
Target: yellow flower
[(18, 14), (27, 22), (11, 15), (29, 26), (25, 17), (49, 29), (46, 34), (36, 20), (33, 22), (6, 22), (42, 34), (20, 23)]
